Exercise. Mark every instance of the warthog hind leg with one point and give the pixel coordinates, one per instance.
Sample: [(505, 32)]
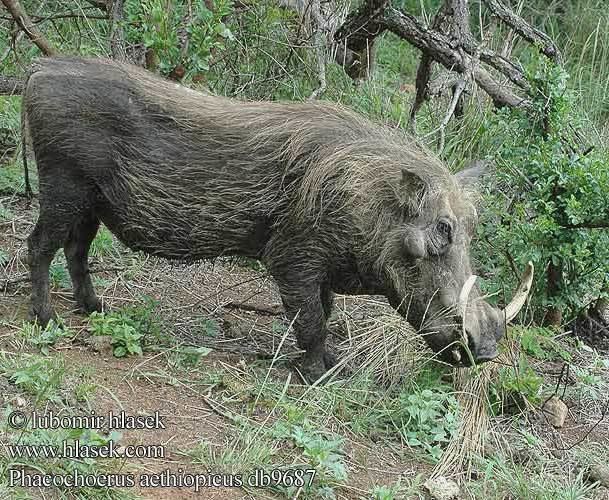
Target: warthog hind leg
[(76, 249), (41, 250), (64, 203)]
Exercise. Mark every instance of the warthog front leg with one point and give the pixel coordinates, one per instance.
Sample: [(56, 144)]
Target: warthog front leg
[(308, 303), (304, 307)]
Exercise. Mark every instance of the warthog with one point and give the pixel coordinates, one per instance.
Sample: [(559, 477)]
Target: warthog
[(327, 200)]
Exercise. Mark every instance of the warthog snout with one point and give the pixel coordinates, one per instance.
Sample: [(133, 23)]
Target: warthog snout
[(470, 335)]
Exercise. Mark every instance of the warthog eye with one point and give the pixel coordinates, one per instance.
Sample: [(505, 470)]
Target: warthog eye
[(445, 228)]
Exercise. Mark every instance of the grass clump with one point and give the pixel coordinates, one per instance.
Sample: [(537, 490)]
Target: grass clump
[(42, 338)]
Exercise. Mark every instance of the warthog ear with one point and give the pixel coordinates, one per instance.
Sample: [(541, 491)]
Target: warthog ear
[(474, 174), (412, 189)]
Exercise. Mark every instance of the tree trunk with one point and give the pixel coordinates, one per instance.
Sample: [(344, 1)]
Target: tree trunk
[(554, 314)]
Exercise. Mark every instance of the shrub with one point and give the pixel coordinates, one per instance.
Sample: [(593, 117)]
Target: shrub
[(550, 204)]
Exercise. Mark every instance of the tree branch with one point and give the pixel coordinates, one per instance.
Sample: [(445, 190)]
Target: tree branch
[(409, 28), (358, 34), (424, 70), (524, 29), (589, 225), (117, 37), (320, 49), (30, 29), (100, 4)]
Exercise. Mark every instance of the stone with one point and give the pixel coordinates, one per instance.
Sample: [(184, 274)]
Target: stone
[(442, 488), (556, 411), (101, 344), (598, 473)]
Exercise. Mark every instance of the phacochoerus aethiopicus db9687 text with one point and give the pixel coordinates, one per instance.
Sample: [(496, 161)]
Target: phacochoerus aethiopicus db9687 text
[(327, 200)]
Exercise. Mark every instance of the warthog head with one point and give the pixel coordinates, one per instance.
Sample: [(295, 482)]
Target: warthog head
[(427, 261)]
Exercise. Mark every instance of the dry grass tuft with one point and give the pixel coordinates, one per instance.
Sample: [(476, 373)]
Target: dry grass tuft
[(380, 343), (471, 386)]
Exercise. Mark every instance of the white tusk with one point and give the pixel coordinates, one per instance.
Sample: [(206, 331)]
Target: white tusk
[(520, 297), (464, 295)]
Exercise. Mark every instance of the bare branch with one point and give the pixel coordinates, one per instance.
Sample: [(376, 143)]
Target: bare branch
[(409, 28), (100, 4), (320, 51), (358, 34), (601, 224), (30, 29), (424, 70), (524, 29)]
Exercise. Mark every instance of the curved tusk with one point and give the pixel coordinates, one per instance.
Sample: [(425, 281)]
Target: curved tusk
[(520, 297), (464, 294)]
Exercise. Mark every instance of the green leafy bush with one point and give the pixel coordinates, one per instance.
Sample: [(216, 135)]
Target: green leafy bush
[(515, 387), (322, 452), (162, 26), (43, 338), (541, 343), (35, 375), (550, 202), (427, 419)]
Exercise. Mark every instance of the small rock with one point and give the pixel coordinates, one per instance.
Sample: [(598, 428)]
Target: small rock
[(101, 344), (19, 401), (441, 488), (598, 473), (556, 411)]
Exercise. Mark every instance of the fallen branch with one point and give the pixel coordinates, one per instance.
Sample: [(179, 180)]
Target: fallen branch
[(449, 42), (409, 28), (272, 310), (25, 23)]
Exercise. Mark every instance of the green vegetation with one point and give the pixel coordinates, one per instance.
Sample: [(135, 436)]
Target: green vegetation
[(130, 327), (158, 25), (552, 204), (38, 376), (42, 338)]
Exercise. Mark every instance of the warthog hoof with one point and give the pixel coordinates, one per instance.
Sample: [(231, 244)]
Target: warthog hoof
[(315, 367), (89, 306), (42, 316)]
